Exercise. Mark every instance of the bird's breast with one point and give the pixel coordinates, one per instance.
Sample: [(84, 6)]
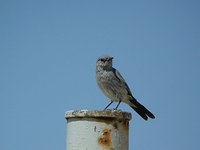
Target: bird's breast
[(111, 86)]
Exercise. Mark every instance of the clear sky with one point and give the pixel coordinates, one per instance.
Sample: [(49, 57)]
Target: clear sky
[(48, 51)]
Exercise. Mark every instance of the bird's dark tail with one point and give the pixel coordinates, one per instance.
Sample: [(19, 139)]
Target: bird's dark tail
[(140, 109)]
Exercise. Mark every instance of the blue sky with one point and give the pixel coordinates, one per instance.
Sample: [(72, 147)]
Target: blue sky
[(48, 53)]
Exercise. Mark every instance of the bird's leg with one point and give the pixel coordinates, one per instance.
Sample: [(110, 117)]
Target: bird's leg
[(118, 105), (108, 105)]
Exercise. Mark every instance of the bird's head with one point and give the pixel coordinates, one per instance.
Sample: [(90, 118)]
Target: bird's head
[(104, 62)]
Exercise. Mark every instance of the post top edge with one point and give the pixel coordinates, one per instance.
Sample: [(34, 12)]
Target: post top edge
[(118, 114)]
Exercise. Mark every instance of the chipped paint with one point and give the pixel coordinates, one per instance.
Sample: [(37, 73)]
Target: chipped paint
[(95, 128)]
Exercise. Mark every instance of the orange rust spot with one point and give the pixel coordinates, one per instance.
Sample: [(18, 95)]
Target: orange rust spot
[(105, 138)]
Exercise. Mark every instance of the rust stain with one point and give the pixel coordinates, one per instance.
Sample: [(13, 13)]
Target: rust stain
[(125, 125), (105, 138)]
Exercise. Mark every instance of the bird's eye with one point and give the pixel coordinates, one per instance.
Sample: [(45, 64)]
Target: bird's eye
[(102, 60)]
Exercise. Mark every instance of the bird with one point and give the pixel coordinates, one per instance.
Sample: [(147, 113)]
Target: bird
[(113, 85)]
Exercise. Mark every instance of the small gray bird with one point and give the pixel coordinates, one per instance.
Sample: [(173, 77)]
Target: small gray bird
[(115, 87)]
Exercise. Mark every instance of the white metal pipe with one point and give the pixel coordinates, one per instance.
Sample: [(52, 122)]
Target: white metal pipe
[(97, 129)]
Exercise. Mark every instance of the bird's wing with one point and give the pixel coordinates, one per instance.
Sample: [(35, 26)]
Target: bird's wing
[(121, 79)]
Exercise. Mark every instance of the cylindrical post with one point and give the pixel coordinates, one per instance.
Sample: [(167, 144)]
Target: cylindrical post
[(97, 129)]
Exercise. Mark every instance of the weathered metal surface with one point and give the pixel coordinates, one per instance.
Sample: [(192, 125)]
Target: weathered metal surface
[(97, 130)]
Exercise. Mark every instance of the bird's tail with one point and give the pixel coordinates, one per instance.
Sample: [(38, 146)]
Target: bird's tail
[(140, 109)]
